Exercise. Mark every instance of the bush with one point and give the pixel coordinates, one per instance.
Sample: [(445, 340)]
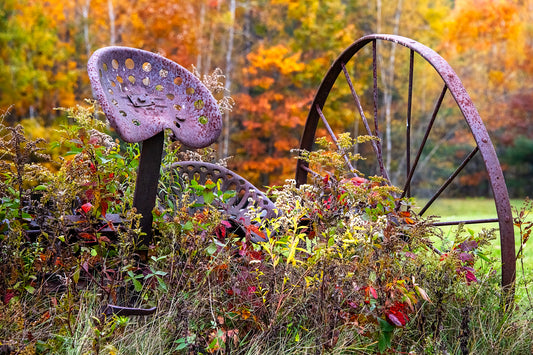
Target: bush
[(347, 267)]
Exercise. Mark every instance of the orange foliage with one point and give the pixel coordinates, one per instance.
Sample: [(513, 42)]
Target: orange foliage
[(281, 51)]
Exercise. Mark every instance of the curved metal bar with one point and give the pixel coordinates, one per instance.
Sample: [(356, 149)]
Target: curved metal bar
[(470, 113), (237, 206)]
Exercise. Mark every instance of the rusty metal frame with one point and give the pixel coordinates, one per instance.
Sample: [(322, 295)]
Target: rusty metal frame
[(236, 207), (142, 94), (453, 85)]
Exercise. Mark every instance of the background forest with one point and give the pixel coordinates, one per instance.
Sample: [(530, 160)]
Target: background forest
[(346, 266), (273, 54)]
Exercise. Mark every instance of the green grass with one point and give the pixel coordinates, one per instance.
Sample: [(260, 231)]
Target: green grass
[(479, 208), (469, 208), (451, 209)]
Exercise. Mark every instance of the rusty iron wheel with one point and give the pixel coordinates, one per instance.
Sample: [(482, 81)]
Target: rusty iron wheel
[(379, 67)]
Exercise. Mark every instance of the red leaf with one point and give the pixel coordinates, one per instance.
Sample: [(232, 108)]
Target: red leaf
[(253, 229), (470, 277), (103, 206), (394, 320), (104, 239), (373, 292), (255, 255), (86, 207), (88, 236), (357, 181), (396, 314), (8, 296)]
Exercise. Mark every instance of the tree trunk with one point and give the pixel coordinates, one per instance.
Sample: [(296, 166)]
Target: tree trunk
[(112, 30), (387, 78), (200, 41), (229, 69), (85, 14)]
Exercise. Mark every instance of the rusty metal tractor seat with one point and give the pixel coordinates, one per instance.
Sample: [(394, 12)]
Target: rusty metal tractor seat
[(142, 94)]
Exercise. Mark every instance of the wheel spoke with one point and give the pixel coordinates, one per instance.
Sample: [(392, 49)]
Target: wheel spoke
[(379, 153), (471, 221), (314, 173), (424, 140), (332, 135), (359, 106), (450, 179)]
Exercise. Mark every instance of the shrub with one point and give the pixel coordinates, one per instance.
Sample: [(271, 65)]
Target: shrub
[(347, 266)]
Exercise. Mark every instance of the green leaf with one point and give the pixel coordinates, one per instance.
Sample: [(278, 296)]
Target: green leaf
[(331, 241), (385, 326), (228, 194), (137, 285), (196, 186), (384, 341), (76, 275), (181, 346), (211, 249), (483, 257), (210, 185), (40, 188), (187, 226), (30, 289), (213, 344), (162, 284), (209, 197)]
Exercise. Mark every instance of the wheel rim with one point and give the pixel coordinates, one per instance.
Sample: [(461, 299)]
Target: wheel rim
[(452, 85)]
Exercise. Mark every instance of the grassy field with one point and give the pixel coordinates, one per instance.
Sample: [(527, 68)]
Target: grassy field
[(468, 208), (479, 208)]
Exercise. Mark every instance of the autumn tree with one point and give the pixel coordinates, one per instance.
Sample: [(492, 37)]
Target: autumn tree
[(37, 72)]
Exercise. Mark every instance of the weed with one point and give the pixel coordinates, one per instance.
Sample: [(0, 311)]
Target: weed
[(347, 267)]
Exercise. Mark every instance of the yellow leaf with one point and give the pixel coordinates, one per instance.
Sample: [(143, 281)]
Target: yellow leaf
[(422, 293)]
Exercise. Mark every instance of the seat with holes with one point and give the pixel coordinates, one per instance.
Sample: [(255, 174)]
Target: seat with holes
[(142, 94)]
